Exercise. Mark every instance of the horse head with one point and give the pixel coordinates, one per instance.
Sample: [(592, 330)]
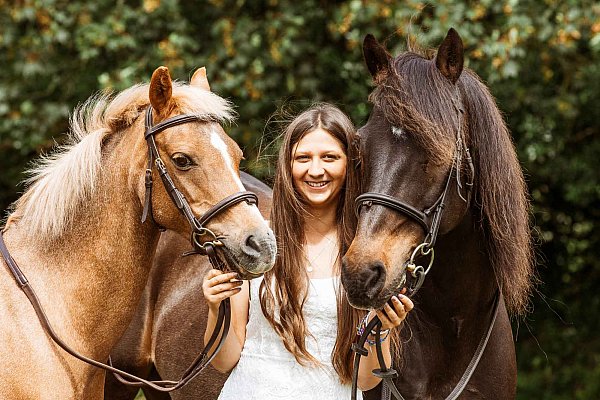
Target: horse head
[(417, 169), (203, 163)]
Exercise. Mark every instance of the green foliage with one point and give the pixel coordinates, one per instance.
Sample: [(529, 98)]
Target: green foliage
[(541, 60)]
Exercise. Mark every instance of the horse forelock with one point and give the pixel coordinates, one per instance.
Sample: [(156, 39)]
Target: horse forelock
[(414, 97), (58, 183), (500, 195), (127, 106)]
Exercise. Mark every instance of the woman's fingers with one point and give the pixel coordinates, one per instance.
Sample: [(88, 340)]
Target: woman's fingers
[(218, 285), (215, 278), (407, 302), (219, 297), (393, 316), (385, 322), (223, 287)]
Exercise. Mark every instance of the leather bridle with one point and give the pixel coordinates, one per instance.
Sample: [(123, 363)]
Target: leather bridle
[(200, 246), (429, 219), (197, 224)]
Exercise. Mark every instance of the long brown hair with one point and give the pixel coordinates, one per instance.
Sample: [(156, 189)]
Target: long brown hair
[(286, 285)]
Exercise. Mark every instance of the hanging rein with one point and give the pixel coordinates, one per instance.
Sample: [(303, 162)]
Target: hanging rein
[(429, 220), (203, 240)]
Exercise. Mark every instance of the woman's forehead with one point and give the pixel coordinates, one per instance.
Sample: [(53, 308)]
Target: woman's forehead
[(318, 140)]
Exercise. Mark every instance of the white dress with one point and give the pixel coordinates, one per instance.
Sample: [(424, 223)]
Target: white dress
[(266, 370)]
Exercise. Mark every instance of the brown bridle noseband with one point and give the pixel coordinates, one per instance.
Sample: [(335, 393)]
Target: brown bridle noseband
[(204, 247), (429, 219)]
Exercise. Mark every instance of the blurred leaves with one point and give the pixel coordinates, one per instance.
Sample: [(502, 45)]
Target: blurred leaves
[(541, 60)]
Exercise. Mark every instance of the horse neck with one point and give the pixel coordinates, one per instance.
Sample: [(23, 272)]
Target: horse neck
[(459, 290), (453, 311), (90, 278)]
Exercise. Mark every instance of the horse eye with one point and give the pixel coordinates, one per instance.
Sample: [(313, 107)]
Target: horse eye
[(182, 161)]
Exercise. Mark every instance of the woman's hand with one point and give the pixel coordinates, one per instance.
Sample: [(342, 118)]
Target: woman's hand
[(392, 317), (218, 285)]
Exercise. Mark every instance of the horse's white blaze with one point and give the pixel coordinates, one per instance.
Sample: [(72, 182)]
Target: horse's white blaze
[(219, 144)]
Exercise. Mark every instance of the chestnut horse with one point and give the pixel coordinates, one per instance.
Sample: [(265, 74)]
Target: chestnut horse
[(167, 331), (428, 116), (77, 234)]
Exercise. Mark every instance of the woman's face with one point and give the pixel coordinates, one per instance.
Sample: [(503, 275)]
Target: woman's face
[(319, 168)]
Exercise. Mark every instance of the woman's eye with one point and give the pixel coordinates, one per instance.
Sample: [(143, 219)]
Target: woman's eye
[(182, 161), (330, 157), (301, 158)]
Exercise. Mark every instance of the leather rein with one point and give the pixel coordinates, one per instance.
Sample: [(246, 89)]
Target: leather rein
[(429, 219), (203, 240)]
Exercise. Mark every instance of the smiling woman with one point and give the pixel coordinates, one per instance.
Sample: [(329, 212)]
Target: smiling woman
[(294, 328)]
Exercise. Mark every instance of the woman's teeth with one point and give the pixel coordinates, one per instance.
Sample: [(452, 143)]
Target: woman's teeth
[(316, 184)]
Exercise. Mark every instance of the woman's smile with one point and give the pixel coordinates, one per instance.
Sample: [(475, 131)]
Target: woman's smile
[(317, 185)]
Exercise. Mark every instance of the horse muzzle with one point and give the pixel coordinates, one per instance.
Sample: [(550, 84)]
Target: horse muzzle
[(369, 285), (253, 255)]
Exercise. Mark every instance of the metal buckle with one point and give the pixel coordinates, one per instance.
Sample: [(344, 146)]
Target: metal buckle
[(160, 164), (201, 245), (417, 269)]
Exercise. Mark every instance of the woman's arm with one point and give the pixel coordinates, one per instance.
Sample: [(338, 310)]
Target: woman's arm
[(218, 286), (391, 318)]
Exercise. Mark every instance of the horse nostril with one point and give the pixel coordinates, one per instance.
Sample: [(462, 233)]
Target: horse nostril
[(252, 245), (374, 279)]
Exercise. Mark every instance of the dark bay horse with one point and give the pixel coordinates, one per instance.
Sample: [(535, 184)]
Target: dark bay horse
[(167, 331), (429, 116), (78, 235)]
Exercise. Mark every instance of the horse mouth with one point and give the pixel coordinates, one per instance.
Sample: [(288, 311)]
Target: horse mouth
[(396, 287), (363, 298), (233, 264)]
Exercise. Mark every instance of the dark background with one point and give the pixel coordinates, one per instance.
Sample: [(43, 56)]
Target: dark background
[(539, 58)]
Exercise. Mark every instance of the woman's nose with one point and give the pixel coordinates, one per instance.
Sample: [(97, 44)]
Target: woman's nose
[(316, 169)]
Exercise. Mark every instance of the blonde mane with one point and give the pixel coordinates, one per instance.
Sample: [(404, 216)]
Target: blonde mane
[(59, 183)]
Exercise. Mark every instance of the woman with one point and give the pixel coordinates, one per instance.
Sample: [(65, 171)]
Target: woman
[(292, 329)]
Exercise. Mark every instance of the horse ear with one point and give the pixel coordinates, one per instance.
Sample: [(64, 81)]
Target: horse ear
[(161, 89), (200, 80), (376, 57), (450, 56)]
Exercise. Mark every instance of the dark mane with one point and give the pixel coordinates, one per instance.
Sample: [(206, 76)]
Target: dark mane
[(500, 194), (500, 191)]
